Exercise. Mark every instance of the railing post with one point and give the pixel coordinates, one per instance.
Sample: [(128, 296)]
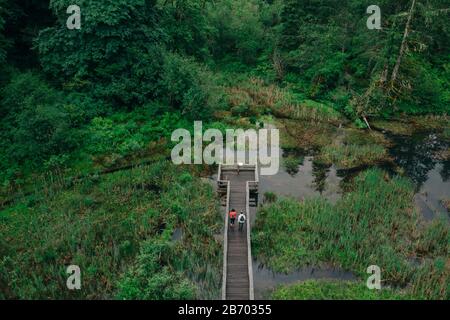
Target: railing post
[(249, 245), (225, 245)]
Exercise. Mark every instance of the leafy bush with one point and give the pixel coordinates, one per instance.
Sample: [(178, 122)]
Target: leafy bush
[(147, 280), (238, 29), (291, 163), (35, 122), (183, 86), (114, 56), (269, 197), (187, 27)]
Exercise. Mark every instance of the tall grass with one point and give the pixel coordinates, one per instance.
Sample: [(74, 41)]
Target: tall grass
[(262, 98), (333, 289), (111, 226), (352, 155), (292, 163), (375, 224)]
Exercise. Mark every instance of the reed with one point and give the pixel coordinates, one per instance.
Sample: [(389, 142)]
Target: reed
[(375, 224), (112, 226), (334, 289)]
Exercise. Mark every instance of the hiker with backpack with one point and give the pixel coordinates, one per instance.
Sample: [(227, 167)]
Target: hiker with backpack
[(241, 221)]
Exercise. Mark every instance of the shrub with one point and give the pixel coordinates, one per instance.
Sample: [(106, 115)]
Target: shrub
[(269, 197), (126, 71), (35, 122), (147, 280), (291, 164)]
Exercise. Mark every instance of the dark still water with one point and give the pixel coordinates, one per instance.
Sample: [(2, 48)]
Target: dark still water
[(307, 181), (424, 159), (266, 281)]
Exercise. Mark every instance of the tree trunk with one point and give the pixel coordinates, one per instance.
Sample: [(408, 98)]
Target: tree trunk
[(403, 45), (278, 64)]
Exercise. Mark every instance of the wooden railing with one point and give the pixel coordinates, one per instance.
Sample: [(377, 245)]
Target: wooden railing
[(249, 245), (221, 185), (252, 186)]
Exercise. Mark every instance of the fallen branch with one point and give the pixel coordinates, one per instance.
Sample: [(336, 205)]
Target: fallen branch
[(367, 123)]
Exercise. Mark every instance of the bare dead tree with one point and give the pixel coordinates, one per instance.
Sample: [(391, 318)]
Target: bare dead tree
[(403, 44)]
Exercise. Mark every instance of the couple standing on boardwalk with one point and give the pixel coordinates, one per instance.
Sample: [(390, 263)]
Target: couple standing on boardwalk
[(241, 219)]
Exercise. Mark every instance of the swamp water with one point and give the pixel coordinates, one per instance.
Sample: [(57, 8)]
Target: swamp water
[(422, 157)]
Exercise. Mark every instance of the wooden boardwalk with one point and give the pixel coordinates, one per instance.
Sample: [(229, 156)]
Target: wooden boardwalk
[(237, 270)]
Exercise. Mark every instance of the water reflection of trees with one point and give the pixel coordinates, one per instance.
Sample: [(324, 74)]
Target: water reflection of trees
[(292, 160), (417, 156), (320, 173), (445, 171)]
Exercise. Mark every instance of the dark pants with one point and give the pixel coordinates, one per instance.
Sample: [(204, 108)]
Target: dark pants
[(241, 226)]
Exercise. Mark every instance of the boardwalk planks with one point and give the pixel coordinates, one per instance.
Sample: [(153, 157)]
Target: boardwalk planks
[(238, 284)]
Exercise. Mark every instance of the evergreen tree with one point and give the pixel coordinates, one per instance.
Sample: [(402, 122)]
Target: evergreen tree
[(115, 56)]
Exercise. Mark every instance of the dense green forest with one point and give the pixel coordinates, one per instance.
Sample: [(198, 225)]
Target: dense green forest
[(78, 106), (164, 62)]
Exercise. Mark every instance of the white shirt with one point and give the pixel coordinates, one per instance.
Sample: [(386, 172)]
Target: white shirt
[(240, 217)]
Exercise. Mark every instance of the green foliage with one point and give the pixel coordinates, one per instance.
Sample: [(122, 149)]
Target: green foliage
[(20, 23), (329, 46), (428, 88), (431, 280), (185, 87), (146, 280), (118, 138), (291, 163), (3, 42), (270, 197), (187, 27), (238, 29), (37, 124), (107, 137), (119, 55), (114, 56)]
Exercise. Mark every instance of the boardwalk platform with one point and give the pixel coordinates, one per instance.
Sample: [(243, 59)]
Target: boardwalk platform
[(238, 190)]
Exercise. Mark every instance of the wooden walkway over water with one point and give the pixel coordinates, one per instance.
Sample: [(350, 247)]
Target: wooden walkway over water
[(239, 190)]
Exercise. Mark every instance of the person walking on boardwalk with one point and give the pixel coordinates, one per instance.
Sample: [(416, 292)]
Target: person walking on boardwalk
[(239, 165), (241, 220), (233, 214)]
